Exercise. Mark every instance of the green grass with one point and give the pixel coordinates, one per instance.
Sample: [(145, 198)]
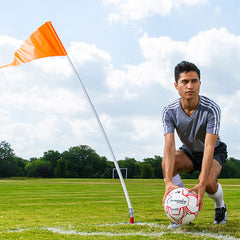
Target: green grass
[(33, 208)]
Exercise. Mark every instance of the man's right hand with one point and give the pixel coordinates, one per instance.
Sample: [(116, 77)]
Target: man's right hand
[(168, 188)]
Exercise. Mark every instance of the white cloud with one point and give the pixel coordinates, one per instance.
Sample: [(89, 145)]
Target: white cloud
[(133, 10), (145, 128), (8, 46), (230, 129), (42, 106), (216, 52), (42, 101), (57, 66), (81, 53), (189, 2)]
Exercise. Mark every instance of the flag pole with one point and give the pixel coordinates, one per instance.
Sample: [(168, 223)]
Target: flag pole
[(131, 212)]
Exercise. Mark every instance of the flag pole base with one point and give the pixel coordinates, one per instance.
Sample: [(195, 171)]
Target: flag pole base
[(131, 213)]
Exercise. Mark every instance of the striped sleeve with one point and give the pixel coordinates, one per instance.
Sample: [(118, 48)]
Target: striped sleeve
[(168, 123), (213, 123)]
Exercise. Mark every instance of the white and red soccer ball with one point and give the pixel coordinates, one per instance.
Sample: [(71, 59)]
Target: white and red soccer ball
[(181, 206)]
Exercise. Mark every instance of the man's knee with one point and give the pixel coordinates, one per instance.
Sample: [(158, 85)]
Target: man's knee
[(212, 185), (178, 160), (181, 163)]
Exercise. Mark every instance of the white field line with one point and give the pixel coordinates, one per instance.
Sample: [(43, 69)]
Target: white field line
[(109, 234), (119, 234), (153, 234), (136, 223)]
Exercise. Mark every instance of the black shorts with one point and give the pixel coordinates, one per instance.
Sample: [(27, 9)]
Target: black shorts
[(220, 154)]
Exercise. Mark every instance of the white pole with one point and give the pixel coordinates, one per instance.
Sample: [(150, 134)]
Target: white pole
[(131, 212)]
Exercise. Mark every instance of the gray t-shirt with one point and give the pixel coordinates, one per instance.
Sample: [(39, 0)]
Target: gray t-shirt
[(192, 129)]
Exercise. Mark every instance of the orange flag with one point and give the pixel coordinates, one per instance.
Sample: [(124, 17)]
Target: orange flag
[(42, 43)]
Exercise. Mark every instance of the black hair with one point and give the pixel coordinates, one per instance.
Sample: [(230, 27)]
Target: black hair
[(185, 66)]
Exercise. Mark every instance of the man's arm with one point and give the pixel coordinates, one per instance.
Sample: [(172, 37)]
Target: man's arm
[(209, 146), (168, 163)]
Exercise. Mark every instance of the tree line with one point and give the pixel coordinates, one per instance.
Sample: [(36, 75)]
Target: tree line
[(83, 162)]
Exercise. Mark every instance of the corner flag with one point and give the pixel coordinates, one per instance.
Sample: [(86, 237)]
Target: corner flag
[(42, 43), (45, 43)]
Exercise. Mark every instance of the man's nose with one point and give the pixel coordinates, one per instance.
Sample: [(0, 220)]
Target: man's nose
[(190, 84)]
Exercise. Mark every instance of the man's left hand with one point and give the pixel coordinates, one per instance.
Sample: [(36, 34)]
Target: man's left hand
[(200, 190)]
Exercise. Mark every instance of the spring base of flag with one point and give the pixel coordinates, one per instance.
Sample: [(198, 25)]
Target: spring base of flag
[(131, 213)]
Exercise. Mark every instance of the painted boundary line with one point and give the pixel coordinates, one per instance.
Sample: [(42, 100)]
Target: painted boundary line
[(153, 234), (119, 234)]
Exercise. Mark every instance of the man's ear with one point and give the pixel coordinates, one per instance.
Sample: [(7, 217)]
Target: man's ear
[(176, 85)]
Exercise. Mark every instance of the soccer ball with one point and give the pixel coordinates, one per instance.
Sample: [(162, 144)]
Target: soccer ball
[(181, 206)]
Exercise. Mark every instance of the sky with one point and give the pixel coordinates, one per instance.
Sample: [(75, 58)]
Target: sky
[(125, 52)]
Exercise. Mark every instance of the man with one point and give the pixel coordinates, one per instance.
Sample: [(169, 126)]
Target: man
[(196, 120)]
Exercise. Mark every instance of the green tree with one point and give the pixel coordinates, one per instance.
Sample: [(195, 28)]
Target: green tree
[(189, 175), (61, 170), (8, 161), (84, 162), (132, 166), (20, 170), (231, 169), (52, 157), (156, 163), (147, 171), (38, 168), (108, 170)]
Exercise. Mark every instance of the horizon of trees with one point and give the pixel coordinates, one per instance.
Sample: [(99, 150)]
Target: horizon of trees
[(83, 162)]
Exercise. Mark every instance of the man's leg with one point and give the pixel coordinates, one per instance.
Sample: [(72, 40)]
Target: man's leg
[(215, 192), (182, 164)]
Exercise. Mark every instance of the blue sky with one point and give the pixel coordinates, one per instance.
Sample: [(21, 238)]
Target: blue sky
[(124, 52)]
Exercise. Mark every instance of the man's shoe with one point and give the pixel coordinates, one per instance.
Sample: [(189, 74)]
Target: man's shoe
[(173, 225), (220, 215)]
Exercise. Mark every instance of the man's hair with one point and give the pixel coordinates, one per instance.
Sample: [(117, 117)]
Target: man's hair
[(185, 66)]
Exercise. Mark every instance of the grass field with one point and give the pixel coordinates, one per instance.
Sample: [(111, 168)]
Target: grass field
[(97, 209)]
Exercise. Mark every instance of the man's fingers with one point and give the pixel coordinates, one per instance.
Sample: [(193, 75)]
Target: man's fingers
[(199, 197), (193, 190), (199, 204), (169, 188), (165, 195)]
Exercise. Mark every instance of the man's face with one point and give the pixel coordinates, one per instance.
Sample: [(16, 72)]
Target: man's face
[(188, 85)]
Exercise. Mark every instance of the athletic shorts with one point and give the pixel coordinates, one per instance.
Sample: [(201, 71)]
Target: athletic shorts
[(220, 154)]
